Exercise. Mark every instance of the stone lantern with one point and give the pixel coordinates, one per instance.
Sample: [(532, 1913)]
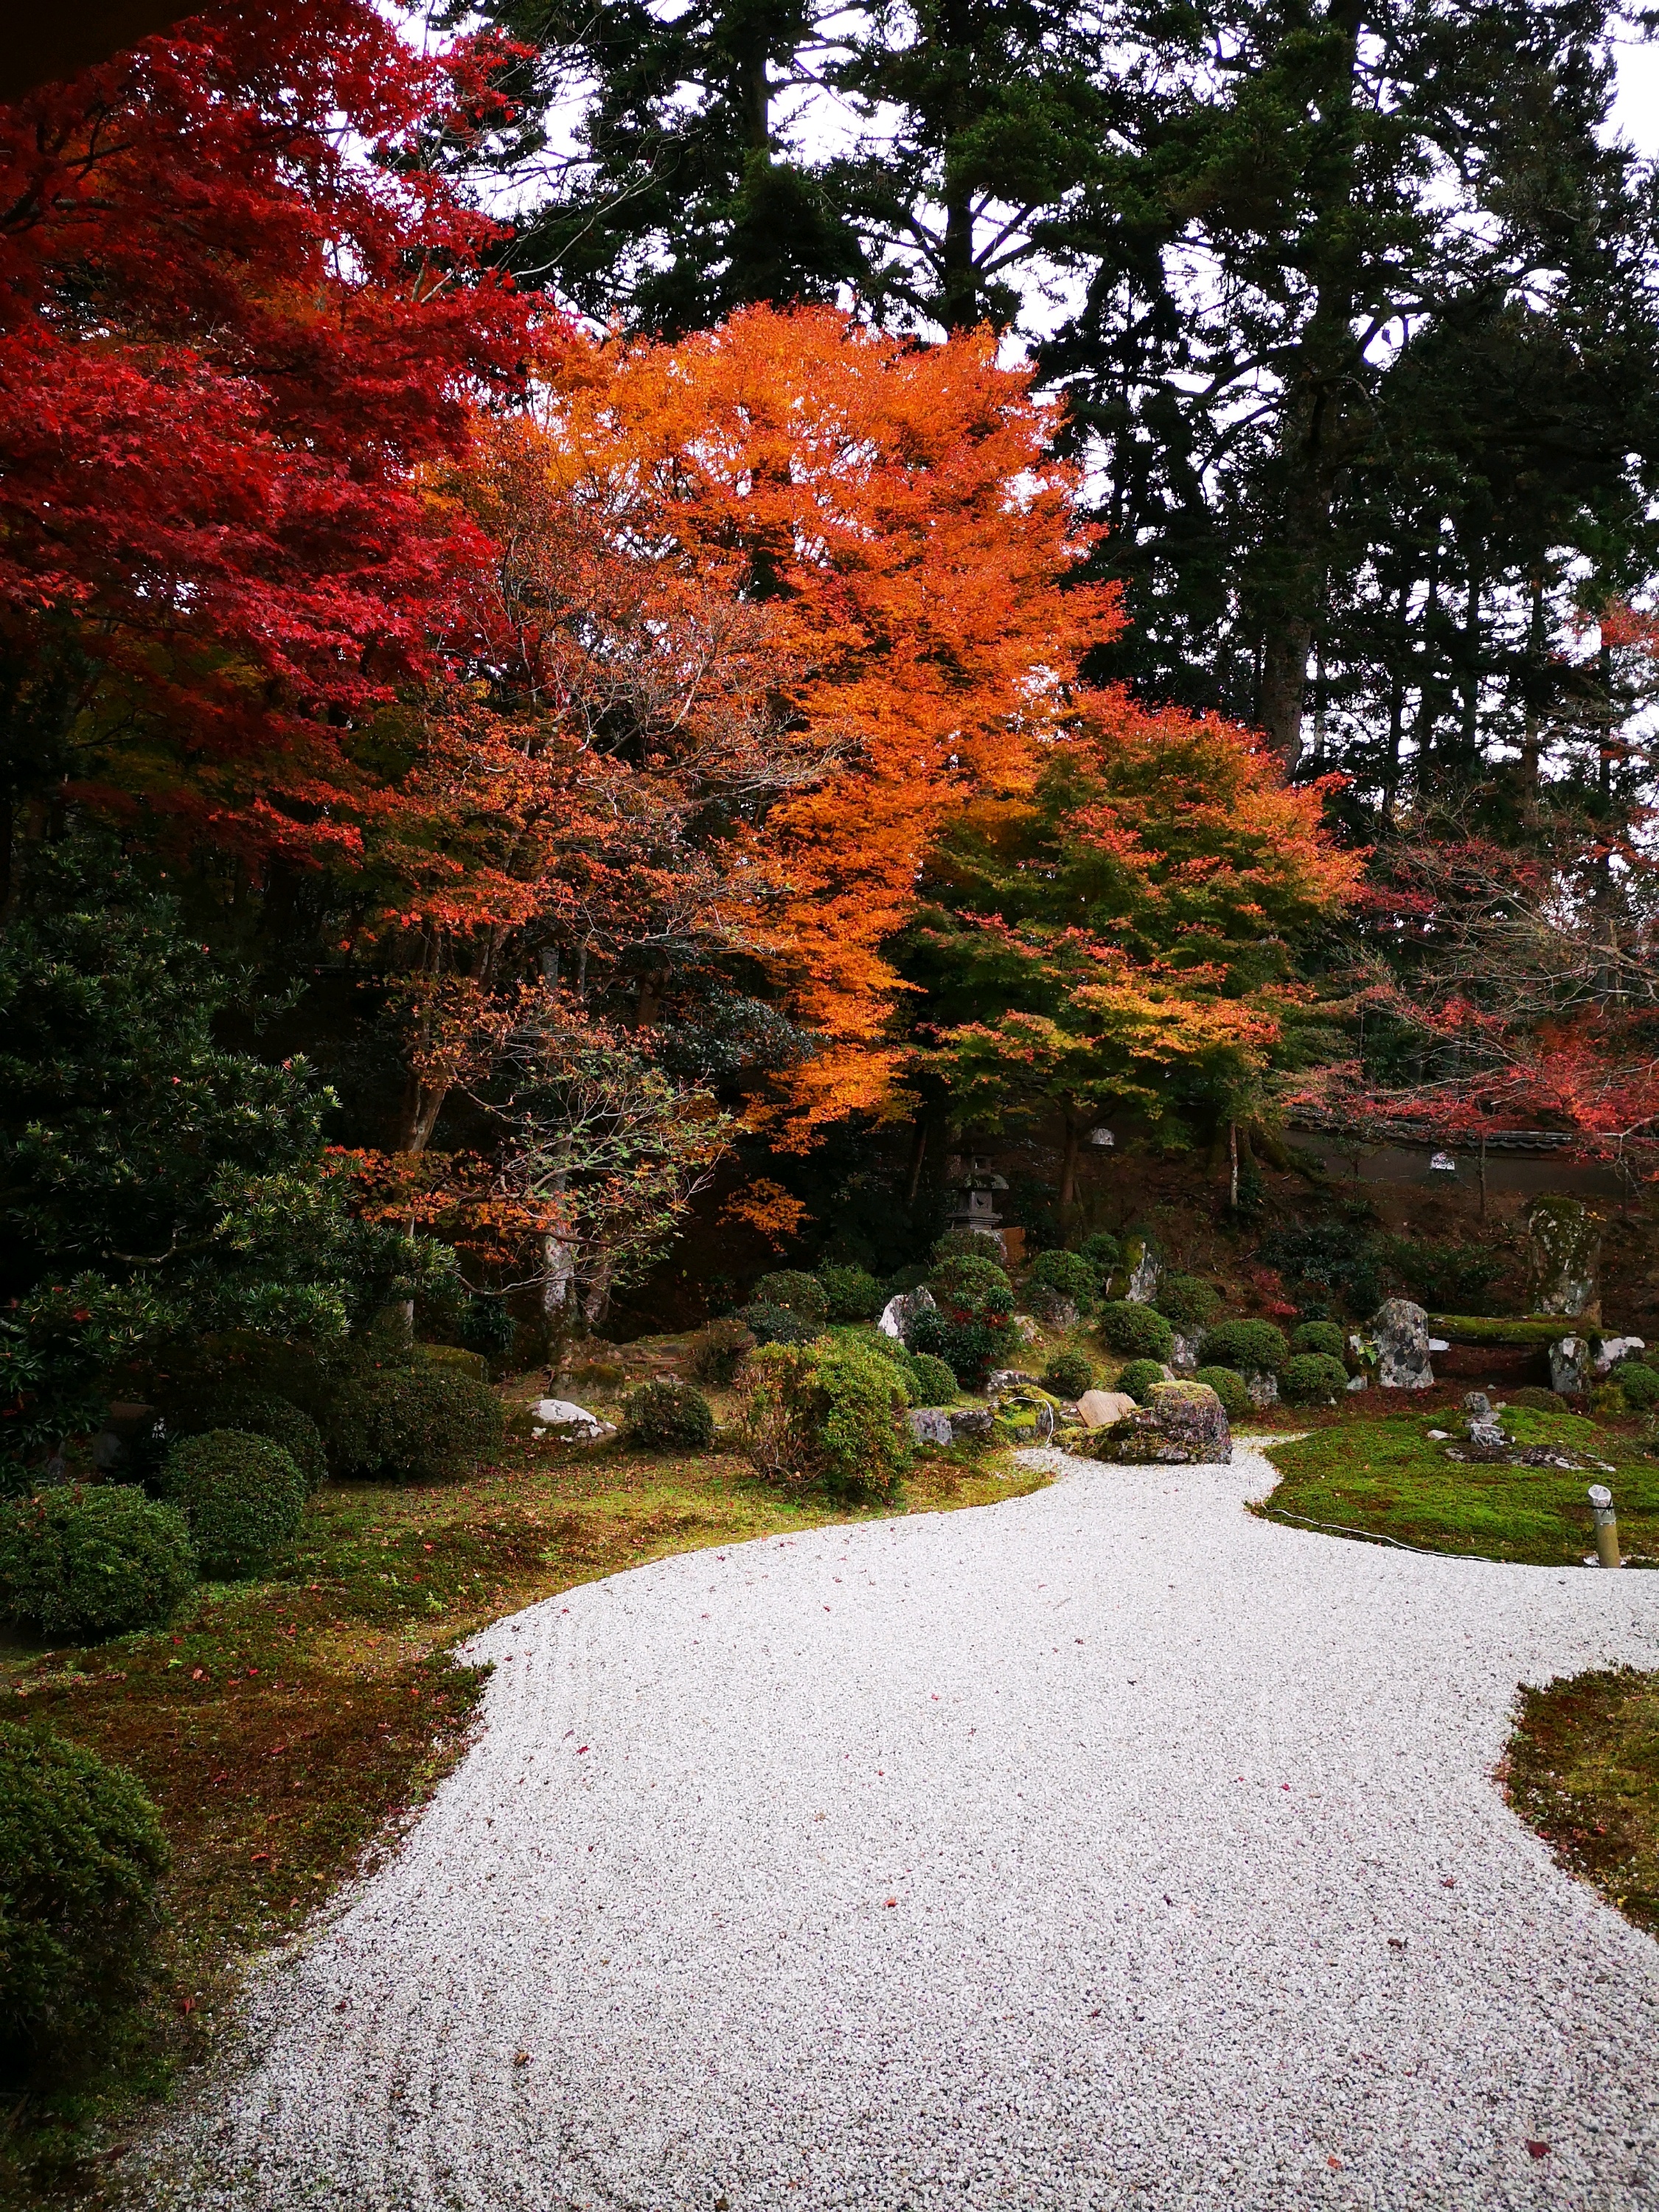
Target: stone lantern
[(973, 1202)]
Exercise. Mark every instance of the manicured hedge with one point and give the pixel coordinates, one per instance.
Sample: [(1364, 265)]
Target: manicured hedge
[(829, 1415), (1140, 1332), (242, 1495), (1307, 1378), (413, 1425), (667, 1414), (1068, 1374), (1230, 1387), (1249, 1347), (90, 1562)]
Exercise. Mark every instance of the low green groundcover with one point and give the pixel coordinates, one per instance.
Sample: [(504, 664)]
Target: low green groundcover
[(1389, 1477)]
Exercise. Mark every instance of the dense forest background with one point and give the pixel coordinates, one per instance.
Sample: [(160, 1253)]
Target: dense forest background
[(626, 628)]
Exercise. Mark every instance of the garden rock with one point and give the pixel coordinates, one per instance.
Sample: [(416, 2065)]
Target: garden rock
[(1180, 1425), (1142, 1268), (971, 1424), (1358, 1382), (1011, 1378), (1564, 1251), (1487, 1440), (1477, 1403), (1057, 1312), (899, 1314), (1611, 1349), (1400, 1335), (930, 1424), (569, 1420), (1098, 1409), (1183, 1355), (1569, 1365), (1263, 1389)]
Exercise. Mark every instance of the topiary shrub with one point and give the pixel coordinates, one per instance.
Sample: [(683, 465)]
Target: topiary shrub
[(1140, 1332), (1307, 1378), (1249, 1347), (851, 1293), (798, 1293), (769, 1324), (80, 1851), (262, 1414), (90, 1563), (934, 1383), (1065, 1275), (669, 1414), (413, 1425), (241, 1494), (1639, 1383), (893, 1349), (488, 1326), (968, 1244), (1101, 1252), (1188, 1301), (1068, 1374), (1230, 1387), (1141, 1377), (717, 1348), (1537, 1399), (1328, 1337), (828, 1415), (971, 1327)]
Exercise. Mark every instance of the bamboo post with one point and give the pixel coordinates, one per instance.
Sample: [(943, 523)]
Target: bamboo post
[(1606, 1526)]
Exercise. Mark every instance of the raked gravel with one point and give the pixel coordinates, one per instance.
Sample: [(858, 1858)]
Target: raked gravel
[(1105, 1847)]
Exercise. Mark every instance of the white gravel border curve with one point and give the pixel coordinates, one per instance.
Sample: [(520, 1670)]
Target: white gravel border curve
[(1106, 1847)]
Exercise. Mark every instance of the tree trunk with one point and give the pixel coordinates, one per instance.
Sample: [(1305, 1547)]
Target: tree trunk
[(918, 1157), (1069, 1163)]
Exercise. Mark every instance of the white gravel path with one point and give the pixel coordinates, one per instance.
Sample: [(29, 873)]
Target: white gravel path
[(1106, 1847)]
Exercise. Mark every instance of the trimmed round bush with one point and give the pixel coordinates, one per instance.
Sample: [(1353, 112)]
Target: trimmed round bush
[(771, 1324), (935, 1384), (1102, 1251), (1065, 1275), (968, 1244), (1537, 1399), (80, 1851), (413, 1425), (1139, 1331), (1307, 1378), (853, 1293), (1188, 1301), (242, 1495), (1639, 1383), (1068, 1374), (800, 1294), (665, 1413), (1326, 1336), (263, 1415), (1250, 1348), (1141, 1377), (87, 1563), (828, 1415), (971, 1328), (1230, 1387), (717, 1348)]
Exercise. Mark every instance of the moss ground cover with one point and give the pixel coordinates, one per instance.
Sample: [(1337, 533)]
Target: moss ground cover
[(1583, 1769), (283, 1725), (1386, 1475)]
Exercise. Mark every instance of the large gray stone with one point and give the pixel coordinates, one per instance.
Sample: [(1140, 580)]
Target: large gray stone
[(1141, 1270), (1399, 1335), (1263, 1389), (930, 1424), (1098, 1409), (1180, 1425), (1569, 1365), (898, 1314), (1563, 1251), (972, 1425), (1610, 1350), (1183, 1355)]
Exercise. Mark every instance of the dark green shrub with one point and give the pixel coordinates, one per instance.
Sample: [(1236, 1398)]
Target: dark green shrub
[(1537, 1400), (263, 1415), (1230, 1387), (1102, 1251), (80, 1851), (1326, 1336), (852, 1293), (1068, 1374), (666, 1413), (717, 1348), (1251, 1347), (829, 1415), (971, 1328), (769, 1324), (798, 1293), (413, 1425), (1327, 1262), (488, 1326), (1445, 1277), (1141, 1378), (935, 1384), (893, 1349), (904, 1280), (456, 1359), (1307, 1378), (1065, 1275), (89, 1563), (970, 1244), (1188, 1301), (241, 1494), (1139, 1331), (1639, 1383)]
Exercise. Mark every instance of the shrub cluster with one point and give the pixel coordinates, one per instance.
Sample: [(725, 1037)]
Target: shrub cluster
[(852, 1293), (1230, 1387), (1326, 1336), (1250, 1348), (260, 1413), (829, 1415), (90, 1563), (1103, 1252), (797, 1293), (413, 1425), (80, 1852), (1062, 1275), (773, 1324), (242, 1495), (1639, 1383), (1141, 1377), (1139, 1331), (971, 1328), (935, 1384), (717, 1348), (1309, 1378), (1188, 1301), (968, 1244), (1068, 1374), (669, 1414)]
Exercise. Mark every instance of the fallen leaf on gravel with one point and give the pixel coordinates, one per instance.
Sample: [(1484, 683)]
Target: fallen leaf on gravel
[(1538, 2149), (1336, 2165), (1447, 1882), (521, 2059), (892, 1900)]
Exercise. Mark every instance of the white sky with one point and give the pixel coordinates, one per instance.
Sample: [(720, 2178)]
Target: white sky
[(1637, 112)]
